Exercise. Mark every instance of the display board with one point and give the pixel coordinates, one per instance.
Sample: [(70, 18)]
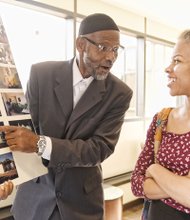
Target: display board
[(16, 166)]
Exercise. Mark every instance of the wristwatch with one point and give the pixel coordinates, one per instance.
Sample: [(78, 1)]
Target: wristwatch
[(41, 145)]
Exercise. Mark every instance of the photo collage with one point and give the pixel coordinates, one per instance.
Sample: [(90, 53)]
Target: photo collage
[(13, 106)]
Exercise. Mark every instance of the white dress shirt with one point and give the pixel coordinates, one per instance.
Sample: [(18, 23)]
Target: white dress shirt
[(80, 85)]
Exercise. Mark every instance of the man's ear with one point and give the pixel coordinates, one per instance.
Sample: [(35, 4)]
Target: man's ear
[(80, 44)]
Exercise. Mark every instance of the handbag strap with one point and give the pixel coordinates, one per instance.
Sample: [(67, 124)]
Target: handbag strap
[(162, 116)]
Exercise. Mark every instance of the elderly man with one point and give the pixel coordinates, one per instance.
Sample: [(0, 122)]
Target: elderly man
[(78, 108)]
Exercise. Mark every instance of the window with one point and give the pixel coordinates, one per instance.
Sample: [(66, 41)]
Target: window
[(157, 95), (125, 68), (33, 38)]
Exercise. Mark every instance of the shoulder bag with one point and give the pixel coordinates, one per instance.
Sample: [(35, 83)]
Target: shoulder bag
[(160, 122)]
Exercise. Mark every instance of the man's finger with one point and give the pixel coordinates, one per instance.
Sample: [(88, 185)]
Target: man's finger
[(13, 147), (11, 186), (2, 191), (8, 128)]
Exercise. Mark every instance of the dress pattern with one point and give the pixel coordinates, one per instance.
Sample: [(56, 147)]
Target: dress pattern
[(173, 154)]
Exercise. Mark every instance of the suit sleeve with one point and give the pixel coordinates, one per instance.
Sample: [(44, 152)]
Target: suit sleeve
[(32, 99)]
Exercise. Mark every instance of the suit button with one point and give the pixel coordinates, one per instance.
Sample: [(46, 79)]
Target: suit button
[(59, 169), (59, 194)]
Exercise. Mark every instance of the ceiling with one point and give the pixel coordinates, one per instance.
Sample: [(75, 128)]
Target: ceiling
[(175, 13)]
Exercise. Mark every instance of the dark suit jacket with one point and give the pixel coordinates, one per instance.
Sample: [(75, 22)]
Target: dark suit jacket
[(81, 139)]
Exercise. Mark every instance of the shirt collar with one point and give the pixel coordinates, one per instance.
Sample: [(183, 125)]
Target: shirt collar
[(77, 76)]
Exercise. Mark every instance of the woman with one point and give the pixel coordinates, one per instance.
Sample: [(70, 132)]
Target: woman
[(6, 189), (167, 183)]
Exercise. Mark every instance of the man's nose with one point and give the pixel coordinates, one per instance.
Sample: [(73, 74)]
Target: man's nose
[(111, 55)]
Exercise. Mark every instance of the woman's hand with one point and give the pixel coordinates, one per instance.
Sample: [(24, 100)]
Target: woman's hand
[(6, 189), (188, 175), (151, 189)]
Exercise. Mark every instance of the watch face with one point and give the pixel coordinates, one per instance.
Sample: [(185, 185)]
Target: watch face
[(41, 145)]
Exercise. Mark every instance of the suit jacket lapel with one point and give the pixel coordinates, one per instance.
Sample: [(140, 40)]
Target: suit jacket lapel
[(64, 88), (91, 97)]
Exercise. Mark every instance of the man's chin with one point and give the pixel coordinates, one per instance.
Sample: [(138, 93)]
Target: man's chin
[(100, 76)]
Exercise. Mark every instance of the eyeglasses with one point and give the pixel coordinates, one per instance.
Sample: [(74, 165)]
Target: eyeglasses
[(102, 48)]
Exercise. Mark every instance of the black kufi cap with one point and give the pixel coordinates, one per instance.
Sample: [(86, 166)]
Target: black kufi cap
[(97, 22)]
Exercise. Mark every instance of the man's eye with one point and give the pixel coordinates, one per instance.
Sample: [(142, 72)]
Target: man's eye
[(103, 48), (115, 49)]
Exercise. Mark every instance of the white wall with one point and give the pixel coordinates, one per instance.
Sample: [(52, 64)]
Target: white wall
[(126, 151)]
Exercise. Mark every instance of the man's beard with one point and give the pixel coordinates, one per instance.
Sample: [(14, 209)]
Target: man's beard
[(99, 76), (92, 69)]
